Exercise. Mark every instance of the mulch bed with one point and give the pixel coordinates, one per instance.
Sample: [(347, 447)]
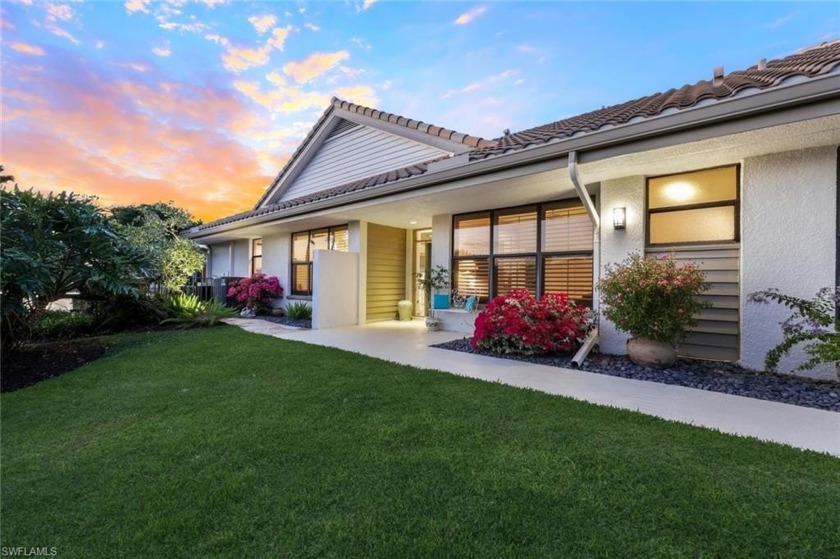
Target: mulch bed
[(39, 361)]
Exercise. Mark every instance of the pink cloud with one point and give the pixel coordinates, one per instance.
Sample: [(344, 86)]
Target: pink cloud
[(26, 48), (130, 142), (137, 6), (263, 23), (314, 65)]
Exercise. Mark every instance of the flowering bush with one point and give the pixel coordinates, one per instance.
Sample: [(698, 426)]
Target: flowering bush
[(519, 323), (653, 298), (813, 322), (255, 292)]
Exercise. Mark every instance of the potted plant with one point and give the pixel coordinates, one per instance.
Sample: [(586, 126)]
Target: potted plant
[(654, 300), (433, 282)]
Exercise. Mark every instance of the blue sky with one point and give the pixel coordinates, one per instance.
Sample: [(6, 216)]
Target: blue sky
[(203, 102)]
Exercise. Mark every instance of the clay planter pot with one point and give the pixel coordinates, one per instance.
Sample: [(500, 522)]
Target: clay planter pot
[(649, 353)]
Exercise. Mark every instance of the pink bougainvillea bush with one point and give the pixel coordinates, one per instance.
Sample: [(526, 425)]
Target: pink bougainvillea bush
[(255, 292), (517, 322)]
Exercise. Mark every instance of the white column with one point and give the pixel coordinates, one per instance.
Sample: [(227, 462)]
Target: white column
[(617, 244)]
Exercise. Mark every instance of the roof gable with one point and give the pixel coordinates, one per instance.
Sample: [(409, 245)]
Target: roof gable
[(350, 142)]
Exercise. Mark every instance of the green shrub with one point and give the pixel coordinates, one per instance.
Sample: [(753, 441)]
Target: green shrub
[(298, 311), (653, 298), (188, 311), (62, 325), (814, 324)]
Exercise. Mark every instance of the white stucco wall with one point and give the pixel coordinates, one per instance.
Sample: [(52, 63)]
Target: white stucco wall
[(335, 288), (230, 258), (616, 245), (788, 238), (276, 251), (242, 257), (220, 260)]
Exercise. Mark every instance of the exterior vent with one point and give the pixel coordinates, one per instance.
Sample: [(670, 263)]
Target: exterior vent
[(342, 126), (718, 76)]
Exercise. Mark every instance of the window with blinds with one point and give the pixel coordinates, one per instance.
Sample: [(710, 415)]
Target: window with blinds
[(543, 248), (304, 245), (256, 256)]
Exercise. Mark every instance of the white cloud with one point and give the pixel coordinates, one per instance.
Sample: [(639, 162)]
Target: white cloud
[(218, 39), (780, 22), (481, 84), (312, 27), (470, 15), (59, 11), (365, 5), (162, 50)]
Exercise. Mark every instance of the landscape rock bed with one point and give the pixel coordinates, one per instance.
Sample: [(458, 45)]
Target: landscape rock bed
[(714, 376)]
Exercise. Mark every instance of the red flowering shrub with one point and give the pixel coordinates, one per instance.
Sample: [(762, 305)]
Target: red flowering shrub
[(255, 292), (519, 323)]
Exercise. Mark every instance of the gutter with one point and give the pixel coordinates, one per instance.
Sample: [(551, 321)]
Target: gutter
[(767, 103), (586, 199)]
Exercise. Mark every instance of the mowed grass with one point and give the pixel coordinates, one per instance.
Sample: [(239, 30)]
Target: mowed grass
[(220, 443)]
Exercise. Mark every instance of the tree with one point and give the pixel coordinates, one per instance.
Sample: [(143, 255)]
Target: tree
[(52, 244), (153, 229)]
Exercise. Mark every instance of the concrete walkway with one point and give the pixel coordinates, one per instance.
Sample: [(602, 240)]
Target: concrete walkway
[(408, 343)]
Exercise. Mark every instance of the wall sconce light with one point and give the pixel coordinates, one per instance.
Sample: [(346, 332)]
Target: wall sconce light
[(619, 218)]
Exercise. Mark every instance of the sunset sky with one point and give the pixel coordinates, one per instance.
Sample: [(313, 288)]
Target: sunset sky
[(201, 103)]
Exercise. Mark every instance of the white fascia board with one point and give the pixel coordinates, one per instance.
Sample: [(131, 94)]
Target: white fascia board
[(406, 132)]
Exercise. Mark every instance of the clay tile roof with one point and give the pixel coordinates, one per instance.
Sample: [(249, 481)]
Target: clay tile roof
[(810, 62)]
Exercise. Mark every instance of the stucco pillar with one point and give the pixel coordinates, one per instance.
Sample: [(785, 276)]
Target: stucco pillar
[(276, 259), (617, 244), (442, 240), (357, 241)]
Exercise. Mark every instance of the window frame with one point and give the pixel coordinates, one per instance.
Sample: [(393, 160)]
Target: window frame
[(539, 255), (255, 256), (736, 203), (309, 263)]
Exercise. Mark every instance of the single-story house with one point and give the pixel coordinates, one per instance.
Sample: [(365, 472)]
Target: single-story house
[(738, 173)]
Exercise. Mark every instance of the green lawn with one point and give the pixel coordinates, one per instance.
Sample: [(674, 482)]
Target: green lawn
[(228, 444)]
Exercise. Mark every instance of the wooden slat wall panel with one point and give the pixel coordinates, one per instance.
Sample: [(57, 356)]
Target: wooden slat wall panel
[(385, 271), (716, 335), (359, 153)]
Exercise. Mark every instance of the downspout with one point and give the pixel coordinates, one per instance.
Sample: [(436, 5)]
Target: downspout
[(583, 194)]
